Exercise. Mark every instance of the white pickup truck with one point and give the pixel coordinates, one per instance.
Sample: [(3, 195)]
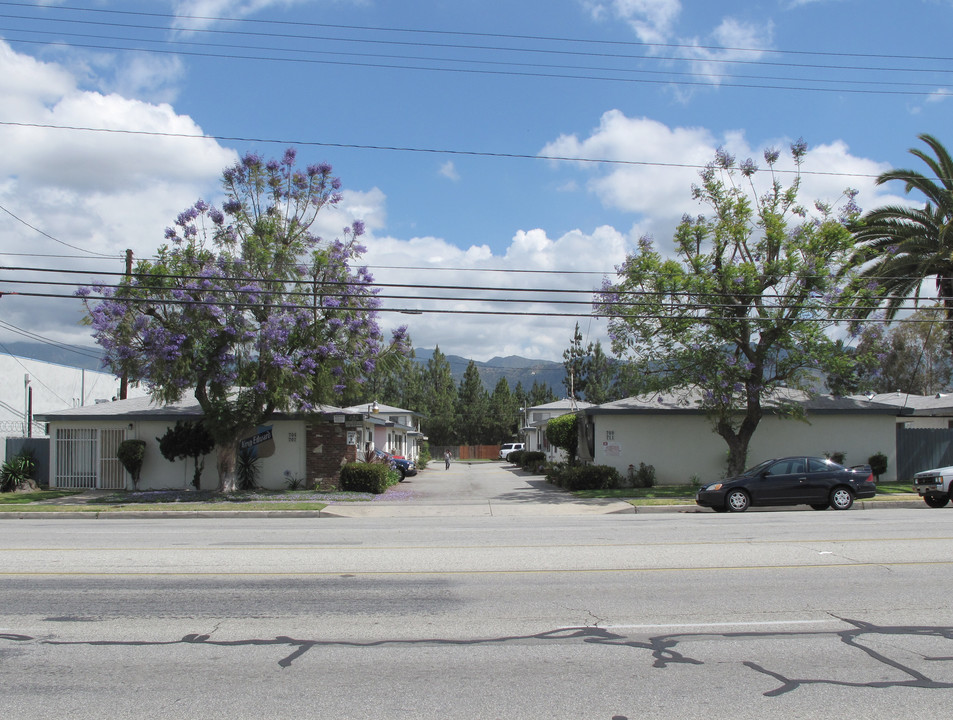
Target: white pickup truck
[(934, 486)]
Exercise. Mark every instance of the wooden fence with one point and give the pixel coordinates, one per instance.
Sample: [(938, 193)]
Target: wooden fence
[(466, 452)]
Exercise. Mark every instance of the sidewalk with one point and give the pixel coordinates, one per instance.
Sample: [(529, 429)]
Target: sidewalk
[(485, 489)]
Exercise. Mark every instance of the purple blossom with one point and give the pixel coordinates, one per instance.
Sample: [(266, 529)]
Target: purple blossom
[(799, 149), (723, 158)]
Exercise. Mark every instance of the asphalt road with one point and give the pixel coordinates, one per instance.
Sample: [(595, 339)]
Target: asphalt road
[(793, 614)]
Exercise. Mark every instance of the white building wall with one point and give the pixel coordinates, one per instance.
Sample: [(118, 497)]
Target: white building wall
[(55, 387), (161, 474), (684, 447)]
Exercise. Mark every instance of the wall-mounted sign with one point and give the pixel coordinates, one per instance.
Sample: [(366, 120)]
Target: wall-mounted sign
[(263, 442)]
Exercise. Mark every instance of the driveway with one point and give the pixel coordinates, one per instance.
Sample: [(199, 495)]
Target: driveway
[(477, 489)]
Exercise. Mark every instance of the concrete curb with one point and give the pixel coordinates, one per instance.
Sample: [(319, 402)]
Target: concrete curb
[(410, 510)]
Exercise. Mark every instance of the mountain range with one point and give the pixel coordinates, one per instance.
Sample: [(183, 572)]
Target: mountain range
[(514, 368)]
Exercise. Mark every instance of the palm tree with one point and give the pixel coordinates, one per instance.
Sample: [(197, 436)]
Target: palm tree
[(908, 245)]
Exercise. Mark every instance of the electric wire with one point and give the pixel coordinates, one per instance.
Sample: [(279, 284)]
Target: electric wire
[(880, 81), (47, 235), (431, 151), (339, 289), (462, 33), (508, 73)]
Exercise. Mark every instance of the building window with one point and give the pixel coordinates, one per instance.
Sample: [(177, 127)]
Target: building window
[(292, 437), (610, 435)]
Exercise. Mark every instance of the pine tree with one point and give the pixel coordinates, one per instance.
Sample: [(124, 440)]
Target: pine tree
[(472, 408), (441, 394)]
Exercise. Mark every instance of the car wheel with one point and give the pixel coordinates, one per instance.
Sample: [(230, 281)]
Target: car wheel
[(936, 501), (820, 506), (402, 475), (737, 501), (841, 498)]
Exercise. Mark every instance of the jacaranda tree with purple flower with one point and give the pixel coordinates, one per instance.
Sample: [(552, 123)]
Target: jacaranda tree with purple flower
[(245, 307), (744, 308)]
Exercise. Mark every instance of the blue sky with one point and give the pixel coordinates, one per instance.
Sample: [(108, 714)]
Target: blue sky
[(475, 94)]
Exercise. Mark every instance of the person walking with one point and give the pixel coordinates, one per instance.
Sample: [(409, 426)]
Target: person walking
[(446, 459)]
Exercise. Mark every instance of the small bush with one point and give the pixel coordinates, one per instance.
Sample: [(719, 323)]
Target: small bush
[(532, 461), (644, 477), (246, 469), (18, 472), (423, 456), (588, 477), (515, 457), (131, 454), (365, 477), (878, 464)]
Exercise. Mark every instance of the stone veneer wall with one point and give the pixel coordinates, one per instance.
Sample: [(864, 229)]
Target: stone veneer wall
[(326, 453)]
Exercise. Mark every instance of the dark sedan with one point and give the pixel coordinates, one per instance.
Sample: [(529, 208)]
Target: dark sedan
[(813, 481), (405, 467)]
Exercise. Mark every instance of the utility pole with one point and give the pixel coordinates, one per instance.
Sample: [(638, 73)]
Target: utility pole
[(124, 378)]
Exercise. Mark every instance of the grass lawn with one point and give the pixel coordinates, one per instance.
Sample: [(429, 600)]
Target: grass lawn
[(38, 496), (178, 500)]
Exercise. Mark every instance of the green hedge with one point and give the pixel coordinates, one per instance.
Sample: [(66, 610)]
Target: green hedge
[(365, 477), (585, 477), (532, 461)]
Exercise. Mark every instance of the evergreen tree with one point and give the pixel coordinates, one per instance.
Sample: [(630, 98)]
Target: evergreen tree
[(598, 375), (574, 360), (540, 394), (472, 408), (441, 394), (504, 413)]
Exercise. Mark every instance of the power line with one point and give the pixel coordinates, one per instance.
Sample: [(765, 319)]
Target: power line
[(49, 341), (456, 46), (394, 148), (465, 33), (47, 235), (509, 73), (332, 289)]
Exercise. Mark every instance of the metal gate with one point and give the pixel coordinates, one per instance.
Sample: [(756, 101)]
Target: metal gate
[(112, 475), (921, 449), (86, 458)]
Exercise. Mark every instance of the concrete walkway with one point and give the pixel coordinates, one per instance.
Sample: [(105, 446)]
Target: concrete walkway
[(475, 490)]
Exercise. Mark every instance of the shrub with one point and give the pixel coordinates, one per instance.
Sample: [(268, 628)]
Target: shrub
[(644, 477), (187, 440), (515, 457), (365, 477), (18, 472), (563, 432), (424, 456), (131, 453), (532, 461), (588, 477), (246, 469), (878, 464)]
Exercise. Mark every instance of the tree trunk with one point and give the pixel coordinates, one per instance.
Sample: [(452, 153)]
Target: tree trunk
[(227, 459), (738, 441)]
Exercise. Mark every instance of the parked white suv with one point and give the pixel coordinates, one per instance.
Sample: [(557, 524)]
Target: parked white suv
[(507, 448)]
